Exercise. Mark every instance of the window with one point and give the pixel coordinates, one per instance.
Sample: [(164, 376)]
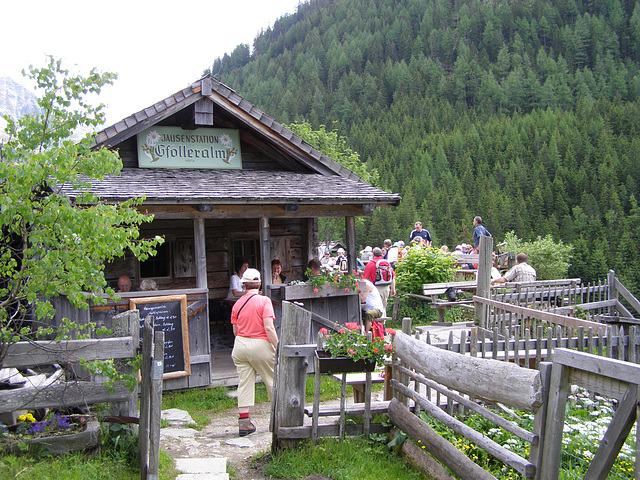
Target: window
[(158, 265), (245, 249)]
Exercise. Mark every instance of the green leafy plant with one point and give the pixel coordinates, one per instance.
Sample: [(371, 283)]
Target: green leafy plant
[(420, 265), (334, 279), (52, 244), (350, 342), (551, 259)]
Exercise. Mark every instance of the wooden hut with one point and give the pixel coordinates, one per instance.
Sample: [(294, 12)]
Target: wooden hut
[(224, 180)]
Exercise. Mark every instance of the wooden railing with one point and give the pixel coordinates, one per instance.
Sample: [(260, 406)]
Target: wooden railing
[(57, 393), (421, 370)]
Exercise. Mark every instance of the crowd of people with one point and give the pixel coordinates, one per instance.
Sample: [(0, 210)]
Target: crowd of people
[(252, 315)]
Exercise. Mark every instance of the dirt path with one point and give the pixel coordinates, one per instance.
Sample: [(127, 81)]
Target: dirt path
[(220, 439)]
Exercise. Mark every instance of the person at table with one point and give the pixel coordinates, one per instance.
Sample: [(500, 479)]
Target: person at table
[(125, 285), (148, 285), (277, 278), (236, 288), (522, 272), (254, 346), (373, 306), (314, 265)]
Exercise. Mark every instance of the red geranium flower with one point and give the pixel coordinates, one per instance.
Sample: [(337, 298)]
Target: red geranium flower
[(323, 331)]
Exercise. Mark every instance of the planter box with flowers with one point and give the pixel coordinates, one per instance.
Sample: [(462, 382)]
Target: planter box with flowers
[(55, 434), (328, 284), (348, 350)]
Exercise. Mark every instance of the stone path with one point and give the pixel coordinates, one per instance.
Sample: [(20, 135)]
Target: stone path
[(204, 454)]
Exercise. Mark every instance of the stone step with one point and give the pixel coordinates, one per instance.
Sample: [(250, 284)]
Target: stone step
[(209, 468)]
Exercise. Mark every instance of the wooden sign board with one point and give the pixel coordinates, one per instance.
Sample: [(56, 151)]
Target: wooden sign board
[(169, 314)]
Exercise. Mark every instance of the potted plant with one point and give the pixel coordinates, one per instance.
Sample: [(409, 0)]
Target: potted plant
[(349, 350), (330, 283), (56, 433)]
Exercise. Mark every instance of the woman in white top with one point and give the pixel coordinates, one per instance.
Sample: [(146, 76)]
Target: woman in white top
[(236, 289)]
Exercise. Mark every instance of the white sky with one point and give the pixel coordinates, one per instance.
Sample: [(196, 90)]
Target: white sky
[(155, 47)]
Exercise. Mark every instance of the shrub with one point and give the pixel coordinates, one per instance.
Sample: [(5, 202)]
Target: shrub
[(423, 265), (550, 259)]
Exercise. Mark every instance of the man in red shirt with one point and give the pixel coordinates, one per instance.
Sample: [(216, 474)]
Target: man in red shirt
[(386, 286)]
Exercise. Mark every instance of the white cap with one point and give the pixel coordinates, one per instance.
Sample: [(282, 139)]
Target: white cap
[(341, 250), (250, 275)]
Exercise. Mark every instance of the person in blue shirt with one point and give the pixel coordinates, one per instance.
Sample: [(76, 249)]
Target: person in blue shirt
[(421, 232), (479, 231)]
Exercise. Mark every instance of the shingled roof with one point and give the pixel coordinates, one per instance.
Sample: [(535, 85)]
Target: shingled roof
[(328, 183), (227, 99), (190, 186)]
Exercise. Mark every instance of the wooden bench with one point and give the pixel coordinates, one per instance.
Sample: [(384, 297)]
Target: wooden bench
[(357, 381), (433, 290)]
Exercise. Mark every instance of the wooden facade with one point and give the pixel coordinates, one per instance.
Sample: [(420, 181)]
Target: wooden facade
[(269, 208)]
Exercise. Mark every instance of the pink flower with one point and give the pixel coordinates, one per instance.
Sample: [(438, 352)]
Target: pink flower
[(342, 330), (315, 290), (390, 331), (352, 351), (384, 375), (354, 272), (346, 289), (388, 347), (323, 331), (352, 326), (375, 350), (359, 290)]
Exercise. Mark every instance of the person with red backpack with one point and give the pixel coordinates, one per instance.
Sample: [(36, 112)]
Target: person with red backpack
[(380, 272)]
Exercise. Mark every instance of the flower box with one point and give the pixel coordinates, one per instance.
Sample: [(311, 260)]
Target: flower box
[(299, 292), (86, 439), (329, 364)]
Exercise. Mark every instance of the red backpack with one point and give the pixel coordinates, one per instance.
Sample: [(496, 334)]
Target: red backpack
[(377, 329), (384, 272)]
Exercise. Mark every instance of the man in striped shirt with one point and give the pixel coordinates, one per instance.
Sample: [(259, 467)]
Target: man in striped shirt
[(522, 272)]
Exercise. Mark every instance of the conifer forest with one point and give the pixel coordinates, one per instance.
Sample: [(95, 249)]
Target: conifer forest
[(526, 112)]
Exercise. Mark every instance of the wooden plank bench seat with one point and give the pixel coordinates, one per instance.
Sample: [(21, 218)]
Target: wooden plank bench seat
[(357, 381), (351, 409)]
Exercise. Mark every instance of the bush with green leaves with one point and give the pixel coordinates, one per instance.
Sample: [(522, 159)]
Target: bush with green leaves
[(550, 259), (50, 244), (423, 265)]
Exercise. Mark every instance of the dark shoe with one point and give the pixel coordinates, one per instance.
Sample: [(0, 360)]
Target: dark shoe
[(245, 427)]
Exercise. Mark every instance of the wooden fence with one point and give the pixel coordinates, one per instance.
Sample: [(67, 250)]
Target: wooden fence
[(124, 345), (421, 369)]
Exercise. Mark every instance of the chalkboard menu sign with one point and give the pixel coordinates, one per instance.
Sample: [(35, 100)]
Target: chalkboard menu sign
[(169, 316)]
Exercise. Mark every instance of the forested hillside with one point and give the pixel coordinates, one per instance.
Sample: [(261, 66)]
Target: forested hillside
[(524, 112)]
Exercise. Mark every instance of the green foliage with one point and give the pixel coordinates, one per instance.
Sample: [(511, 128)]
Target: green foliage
[(550, 259), (331, 278), (528, 117), (53, 245), (423, 265), (336, 148)]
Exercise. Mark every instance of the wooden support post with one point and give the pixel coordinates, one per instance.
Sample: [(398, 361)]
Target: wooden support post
[(552, 447), (611, 287), (350, 228), (145, 392), (200, 252), (292, 374), (126, 324), (484, 279), (155, 406), (265, 251)]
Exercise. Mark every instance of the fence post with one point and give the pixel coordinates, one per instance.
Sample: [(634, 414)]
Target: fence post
[(611, 287), (290, 380), (126, 324), (143, 431), (155, 406), (484, 279)]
